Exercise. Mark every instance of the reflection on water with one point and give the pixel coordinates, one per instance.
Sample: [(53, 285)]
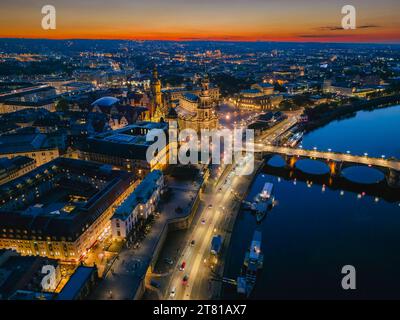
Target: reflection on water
[(321, 224), (363, 174), (312, 166)]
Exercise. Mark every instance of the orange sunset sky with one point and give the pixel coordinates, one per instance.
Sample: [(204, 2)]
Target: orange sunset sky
[(237, 20)]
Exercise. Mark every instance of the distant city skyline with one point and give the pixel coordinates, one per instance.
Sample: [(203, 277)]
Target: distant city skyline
[(226, 20)]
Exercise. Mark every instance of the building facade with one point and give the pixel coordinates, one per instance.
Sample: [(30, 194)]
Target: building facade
[(141, 203), (260, 97), (60, 209), (197, 112), (13, 168), (32, 144)]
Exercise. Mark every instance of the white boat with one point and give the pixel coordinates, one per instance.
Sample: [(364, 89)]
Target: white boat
[(295, 139), (253, 262), (264, 201)]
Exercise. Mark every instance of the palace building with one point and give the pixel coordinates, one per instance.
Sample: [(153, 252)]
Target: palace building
[(260, 96), (197, 112)]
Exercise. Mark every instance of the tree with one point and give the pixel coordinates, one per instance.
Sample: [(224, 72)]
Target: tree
[(301, 100), (278, 87), (62, 105), (286, 105)]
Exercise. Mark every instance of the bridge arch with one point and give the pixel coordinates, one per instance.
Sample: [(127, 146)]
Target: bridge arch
[(363, 174), (336, 161)]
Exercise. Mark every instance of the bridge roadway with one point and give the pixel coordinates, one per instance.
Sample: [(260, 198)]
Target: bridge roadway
[(328, 156)]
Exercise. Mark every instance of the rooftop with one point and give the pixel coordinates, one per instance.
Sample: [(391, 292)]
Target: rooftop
[(22, 142), (128, 142), (105, 102), (75, 284)]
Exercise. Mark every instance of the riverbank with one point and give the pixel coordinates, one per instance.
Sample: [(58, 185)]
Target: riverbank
[(349, 110), (229, 229), (318, 225)]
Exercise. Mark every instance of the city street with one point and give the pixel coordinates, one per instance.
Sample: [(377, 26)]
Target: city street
[(219, 209), (220, 204)]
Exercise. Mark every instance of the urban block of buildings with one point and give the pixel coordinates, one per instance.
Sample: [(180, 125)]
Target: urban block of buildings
[(60, 209), (126, 148)]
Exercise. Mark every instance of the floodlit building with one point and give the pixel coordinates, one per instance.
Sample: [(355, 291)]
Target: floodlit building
[(141, 203), (60, 209), (259, 97), (197, 112)]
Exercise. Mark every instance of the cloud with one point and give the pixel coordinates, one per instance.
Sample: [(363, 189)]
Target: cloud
[(368, 26), (323, 35), (365, 26)]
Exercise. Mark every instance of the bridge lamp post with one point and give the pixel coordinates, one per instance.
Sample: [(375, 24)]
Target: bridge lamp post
[(329, 150), (348, 152), (383, 156), (366, 154)]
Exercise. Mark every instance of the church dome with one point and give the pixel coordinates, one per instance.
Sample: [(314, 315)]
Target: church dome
[(105, 102)]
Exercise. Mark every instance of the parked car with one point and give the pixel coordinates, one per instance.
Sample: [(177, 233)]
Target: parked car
[(192, 243), (169, 261), (172, 293), (183, 265), (185, 279)]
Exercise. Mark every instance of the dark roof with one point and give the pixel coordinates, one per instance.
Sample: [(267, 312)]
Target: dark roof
[(128, 142), (75, 284), (7, 164), (33, 104), (22, 273)]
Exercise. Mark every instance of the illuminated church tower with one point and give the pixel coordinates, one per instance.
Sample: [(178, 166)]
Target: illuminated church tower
[(206, 115), (156, 112)]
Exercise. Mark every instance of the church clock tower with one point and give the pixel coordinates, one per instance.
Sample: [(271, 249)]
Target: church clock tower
[(156, 99)]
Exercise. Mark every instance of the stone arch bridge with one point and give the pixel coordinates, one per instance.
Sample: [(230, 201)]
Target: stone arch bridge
[(334, 160)]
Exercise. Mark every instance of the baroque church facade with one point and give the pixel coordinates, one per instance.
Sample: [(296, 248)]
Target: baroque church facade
[(194, 110)]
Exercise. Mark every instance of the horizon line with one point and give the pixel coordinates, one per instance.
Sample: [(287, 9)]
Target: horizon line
[(198, 40)]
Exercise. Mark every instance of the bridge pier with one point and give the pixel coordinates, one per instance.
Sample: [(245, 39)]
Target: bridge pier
[(291, 161), (393, 178), (334, 168)]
